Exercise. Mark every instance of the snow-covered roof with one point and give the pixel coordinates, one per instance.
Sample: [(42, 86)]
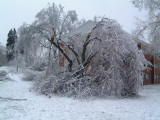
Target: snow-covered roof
[(83, 29), (147, 46), (141, 42)]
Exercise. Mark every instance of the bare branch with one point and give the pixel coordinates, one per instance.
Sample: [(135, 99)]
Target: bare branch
[(88, 60), (12, 99), (75, 53), (64, 53)]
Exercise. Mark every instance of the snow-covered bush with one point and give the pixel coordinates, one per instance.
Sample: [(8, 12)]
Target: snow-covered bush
[(39, 66), (4, 76), (29, 76), (3, 73), (63, 84), (44, 84)]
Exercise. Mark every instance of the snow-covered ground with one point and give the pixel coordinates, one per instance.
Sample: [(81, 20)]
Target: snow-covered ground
[(28, 105)]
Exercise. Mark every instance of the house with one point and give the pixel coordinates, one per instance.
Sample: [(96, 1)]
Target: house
[(152, 75)]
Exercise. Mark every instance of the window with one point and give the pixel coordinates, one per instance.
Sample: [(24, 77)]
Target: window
[(147, 76), (157, 56), (157, 66), (157, 77)]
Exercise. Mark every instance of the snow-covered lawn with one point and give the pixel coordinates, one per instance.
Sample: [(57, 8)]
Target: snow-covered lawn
[(28, 105)]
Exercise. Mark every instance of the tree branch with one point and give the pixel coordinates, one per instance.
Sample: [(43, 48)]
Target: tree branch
[(64, 53), (88, 40), (75, 53), (12, 99), (88, 60)]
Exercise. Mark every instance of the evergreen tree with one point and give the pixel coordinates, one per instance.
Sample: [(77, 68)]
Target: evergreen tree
[(12, 36)]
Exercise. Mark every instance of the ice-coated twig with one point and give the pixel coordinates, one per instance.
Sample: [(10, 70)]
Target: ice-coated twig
[(12, 99)]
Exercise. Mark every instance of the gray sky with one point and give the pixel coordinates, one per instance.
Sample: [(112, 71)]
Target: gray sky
[(14, 12)]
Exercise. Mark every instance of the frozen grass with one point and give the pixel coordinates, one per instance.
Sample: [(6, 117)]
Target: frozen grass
[(41, 107)]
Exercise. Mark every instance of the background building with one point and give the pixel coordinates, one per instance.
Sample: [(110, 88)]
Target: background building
[(151, 75)]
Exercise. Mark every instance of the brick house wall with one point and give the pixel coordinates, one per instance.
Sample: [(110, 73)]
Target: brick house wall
[(151, 75), (149, 72), (157, 71)]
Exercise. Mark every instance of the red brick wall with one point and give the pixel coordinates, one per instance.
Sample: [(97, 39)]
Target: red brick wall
[(157, 81), (157, 61), (147, 82), (150, 70), (157, 71)]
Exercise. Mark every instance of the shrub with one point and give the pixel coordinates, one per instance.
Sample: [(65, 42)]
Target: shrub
[(29, 76)]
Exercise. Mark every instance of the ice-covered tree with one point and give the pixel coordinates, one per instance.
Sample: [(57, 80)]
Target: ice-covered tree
[(105, 61), (27, 44), (152, 25), (108, 63)]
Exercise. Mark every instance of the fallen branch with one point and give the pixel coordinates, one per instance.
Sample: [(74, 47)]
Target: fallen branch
[(12, 99)]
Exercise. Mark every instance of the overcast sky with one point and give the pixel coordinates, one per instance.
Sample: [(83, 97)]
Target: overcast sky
[(14, 12)]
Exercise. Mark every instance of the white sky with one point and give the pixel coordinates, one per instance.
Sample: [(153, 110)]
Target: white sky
[(14, 12)]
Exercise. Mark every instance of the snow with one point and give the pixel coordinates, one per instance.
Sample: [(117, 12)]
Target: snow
[(41, 107)]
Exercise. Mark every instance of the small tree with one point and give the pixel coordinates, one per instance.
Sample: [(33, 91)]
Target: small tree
[(12, 37), (27, 45)]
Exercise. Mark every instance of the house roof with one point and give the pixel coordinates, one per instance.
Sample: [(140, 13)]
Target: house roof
[(150, 49), (83, 29)]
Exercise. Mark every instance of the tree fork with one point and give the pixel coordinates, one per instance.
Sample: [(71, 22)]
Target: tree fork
[(62, 51)]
